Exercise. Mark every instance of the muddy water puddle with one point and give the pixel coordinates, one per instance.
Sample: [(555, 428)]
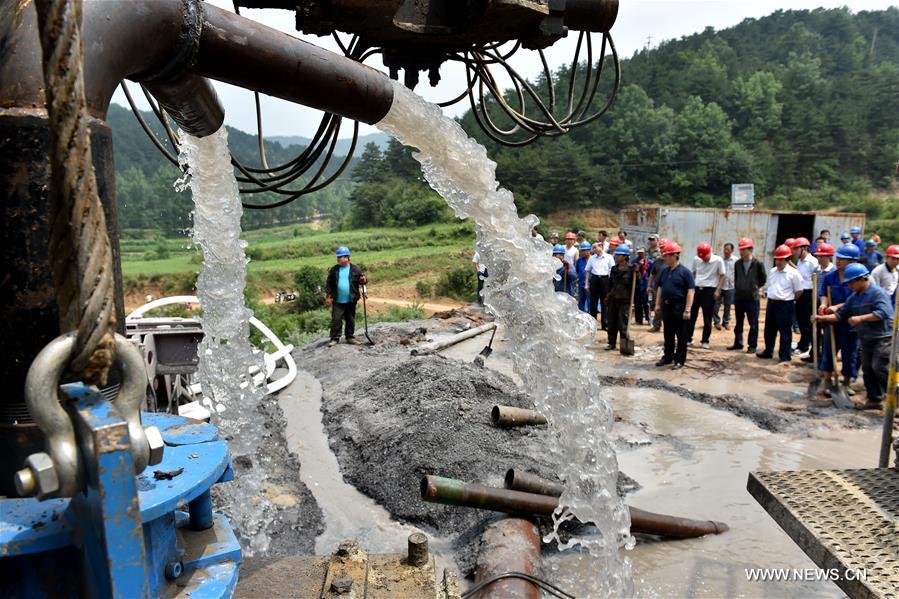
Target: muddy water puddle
[(348, 513), (693, 460)]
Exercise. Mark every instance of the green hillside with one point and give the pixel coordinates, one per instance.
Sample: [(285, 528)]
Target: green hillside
[(800, 103)]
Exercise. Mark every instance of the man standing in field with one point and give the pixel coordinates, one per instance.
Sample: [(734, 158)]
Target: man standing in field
[(342, 289)]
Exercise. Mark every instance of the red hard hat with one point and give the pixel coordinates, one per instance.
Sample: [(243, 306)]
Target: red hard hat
[(801, 242), (893, 251), (782, 252), (614, 241), (570, 235), (671, 248), (825, 249), (745, 244), (703, 249)]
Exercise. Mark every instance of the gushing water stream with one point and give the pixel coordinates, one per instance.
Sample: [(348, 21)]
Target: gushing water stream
[(225, 352), (544, 327)]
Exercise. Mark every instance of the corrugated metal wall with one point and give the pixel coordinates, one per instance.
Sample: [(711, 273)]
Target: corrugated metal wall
[(691, 226)]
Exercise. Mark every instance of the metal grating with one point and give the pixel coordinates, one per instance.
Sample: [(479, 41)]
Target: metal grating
[(844, 520)]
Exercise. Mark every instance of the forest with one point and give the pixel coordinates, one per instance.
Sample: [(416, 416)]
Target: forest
[(800, 103)]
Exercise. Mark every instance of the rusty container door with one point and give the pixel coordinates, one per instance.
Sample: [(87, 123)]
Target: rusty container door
[(639, 223), (689, 227), (731, 225)]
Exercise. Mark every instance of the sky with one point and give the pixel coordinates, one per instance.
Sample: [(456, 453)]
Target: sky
[(640, 24)]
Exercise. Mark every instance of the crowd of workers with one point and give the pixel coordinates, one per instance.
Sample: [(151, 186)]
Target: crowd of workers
[(850, 287)]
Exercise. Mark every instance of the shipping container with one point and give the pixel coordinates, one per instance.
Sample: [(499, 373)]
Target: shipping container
[(691, 226)]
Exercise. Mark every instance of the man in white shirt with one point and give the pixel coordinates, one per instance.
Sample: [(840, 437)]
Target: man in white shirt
[(727, 290), (572, 253), (708, 276), (784, 286), (603, 240), (481, 269), (623, 240), (599, 267), (806, 264), (886, 275)]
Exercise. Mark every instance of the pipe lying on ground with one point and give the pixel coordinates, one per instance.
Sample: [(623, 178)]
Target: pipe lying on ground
[(509, 545), (517, 480), (449, 491), (509, 416), (436, 346)]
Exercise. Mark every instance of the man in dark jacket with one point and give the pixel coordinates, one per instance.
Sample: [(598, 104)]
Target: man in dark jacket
[(749, 277), (619, 298), (342, 289)]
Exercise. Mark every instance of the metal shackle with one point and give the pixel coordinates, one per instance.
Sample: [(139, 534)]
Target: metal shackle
[(58, 472)]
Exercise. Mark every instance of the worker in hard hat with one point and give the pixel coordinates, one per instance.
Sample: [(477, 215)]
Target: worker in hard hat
[(658, 266), (581, 238), (642, 270), (708, 276), (583, 275), (845, 238), (565, 277), (784, 287), (342, 289), (856, 235), (846, 339), (869, 312), (553, 239), (619, 298), (823, 253), (749, 277), (887, 274), (726, 298), (871, 259), (674, 301), (806, 264), (571, 251)]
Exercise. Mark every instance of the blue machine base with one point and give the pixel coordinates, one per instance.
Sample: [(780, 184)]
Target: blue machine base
[(189, 551)]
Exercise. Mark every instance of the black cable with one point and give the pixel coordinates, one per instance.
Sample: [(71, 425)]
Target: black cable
[(544, 585)]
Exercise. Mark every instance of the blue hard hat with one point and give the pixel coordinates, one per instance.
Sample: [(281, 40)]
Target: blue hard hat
[(870, 243), (844, 235), (855, 230), (343, 251), (848, 252), (623, 250), (585, 246), (855, 271), (558, 249)]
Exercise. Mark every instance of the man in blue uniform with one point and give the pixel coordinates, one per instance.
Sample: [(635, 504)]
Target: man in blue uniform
[(342, 289), (566, 277), (871, 258), (869, 311), (857, 241), (674, 302), (583, 295), (835, 283)]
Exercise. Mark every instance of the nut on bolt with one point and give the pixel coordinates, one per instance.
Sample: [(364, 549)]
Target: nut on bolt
[(156, 443), (38, 477)]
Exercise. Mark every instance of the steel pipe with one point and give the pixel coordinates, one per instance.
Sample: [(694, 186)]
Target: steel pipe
[(517, 480), (509, 416), (509, 545), (591, 15), (436, 346), (436, 489)]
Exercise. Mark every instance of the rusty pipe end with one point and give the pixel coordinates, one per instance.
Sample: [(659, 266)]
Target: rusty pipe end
[(720, 527), (495, 414), (509, 479), (192, 103)]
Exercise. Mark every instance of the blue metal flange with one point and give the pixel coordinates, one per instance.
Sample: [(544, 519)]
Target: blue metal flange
[(89, 544)]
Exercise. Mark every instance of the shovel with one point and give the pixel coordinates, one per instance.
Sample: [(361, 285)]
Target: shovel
[(815, 383), (485, 353), (837, 393), (365, 314), (626, 346)]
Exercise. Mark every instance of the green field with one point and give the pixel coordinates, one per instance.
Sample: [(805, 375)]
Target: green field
[(399, 256)]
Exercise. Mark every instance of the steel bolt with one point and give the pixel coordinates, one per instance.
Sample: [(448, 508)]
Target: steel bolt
[(418, 549), (173, 570), (25, 483), (156, 443)]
